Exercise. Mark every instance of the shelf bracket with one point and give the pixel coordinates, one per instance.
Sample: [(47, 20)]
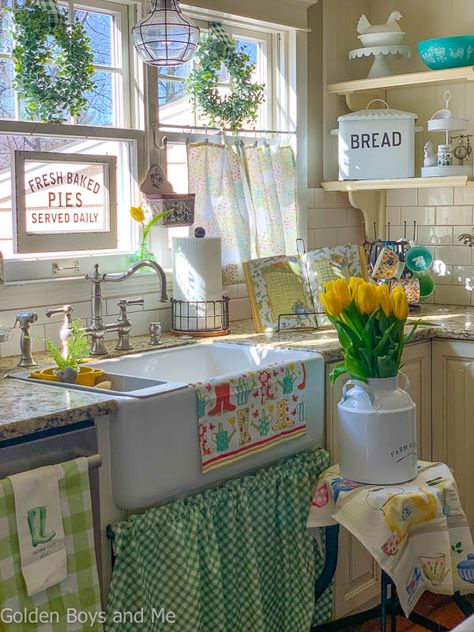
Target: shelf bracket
[(373, 206)]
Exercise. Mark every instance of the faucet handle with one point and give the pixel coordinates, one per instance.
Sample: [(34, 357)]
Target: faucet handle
[(124, 303), (124, 326), (25, 318), (65, 309)]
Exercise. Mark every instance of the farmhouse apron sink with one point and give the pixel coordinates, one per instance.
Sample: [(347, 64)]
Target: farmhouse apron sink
[(154, 446)]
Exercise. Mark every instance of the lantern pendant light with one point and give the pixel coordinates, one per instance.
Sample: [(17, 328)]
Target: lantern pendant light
[(164, 37)]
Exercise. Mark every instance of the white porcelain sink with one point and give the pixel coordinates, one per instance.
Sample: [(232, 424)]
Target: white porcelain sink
[(153, 438), (197, 362)]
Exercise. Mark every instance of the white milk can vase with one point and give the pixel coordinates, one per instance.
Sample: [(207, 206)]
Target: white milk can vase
[(377, 432)]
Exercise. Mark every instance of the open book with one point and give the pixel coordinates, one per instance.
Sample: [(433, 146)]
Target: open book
[(284, 290)]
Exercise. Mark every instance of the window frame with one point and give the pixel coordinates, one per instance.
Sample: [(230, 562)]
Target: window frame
[(143, 132), (133, 114), (281, 113)]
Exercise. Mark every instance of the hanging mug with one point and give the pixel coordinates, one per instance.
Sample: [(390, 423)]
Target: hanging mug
[(388, 265)]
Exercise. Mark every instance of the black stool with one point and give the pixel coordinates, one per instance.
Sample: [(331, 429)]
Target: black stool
[(388, 609)]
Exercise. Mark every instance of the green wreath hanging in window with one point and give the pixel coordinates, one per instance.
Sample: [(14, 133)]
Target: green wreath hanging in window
[(53, 62), (224, 110)]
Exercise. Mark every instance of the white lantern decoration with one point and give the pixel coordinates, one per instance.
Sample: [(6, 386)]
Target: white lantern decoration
[(164, 37)]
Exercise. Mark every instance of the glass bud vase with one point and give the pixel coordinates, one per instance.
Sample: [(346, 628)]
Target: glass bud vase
[(143, 251)]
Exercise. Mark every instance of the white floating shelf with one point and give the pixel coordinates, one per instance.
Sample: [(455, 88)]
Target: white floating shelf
[(450, 75), (399, 183)]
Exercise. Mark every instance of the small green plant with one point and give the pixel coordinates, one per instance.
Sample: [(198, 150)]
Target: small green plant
[(78, 348)]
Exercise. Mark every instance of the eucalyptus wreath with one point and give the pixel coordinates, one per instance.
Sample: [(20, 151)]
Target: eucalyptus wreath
[(228, 110), (53, 63)]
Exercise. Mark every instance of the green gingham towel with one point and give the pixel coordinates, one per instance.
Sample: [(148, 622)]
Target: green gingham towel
[(237, 558), (80, 591)]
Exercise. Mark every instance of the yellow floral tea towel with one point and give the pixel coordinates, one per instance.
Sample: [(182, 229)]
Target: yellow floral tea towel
[(416, 531)]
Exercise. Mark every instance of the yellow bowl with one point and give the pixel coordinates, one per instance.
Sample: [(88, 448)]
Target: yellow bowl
[(87, 375)]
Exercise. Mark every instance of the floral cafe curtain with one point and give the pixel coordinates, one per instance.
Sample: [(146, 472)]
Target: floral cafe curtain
[(247, 196)]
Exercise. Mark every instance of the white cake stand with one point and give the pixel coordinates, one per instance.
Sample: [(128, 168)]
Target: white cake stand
[(380, 67)]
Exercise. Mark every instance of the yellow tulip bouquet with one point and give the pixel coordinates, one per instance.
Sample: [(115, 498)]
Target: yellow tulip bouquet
[(370, 323)]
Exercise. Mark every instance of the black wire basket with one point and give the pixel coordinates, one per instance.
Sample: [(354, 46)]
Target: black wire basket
[(200, 318)]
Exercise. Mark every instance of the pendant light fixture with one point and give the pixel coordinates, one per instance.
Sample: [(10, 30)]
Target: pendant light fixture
[(164, 37)]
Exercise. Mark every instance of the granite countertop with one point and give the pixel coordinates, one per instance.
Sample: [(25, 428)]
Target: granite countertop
[(26, 408)]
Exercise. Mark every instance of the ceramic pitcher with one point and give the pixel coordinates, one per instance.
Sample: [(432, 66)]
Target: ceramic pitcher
[(377, 432)]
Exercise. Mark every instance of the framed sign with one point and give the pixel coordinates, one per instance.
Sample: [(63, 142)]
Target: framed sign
[(64, 202)]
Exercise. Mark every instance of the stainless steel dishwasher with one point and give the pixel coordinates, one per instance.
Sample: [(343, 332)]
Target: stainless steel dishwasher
[(57, 445)]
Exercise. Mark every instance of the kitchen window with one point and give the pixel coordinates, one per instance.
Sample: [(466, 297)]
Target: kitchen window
[(105, 128), (178, 123)]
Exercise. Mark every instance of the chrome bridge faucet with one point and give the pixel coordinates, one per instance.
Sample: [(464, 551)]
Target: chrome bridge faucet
[(98, 328)]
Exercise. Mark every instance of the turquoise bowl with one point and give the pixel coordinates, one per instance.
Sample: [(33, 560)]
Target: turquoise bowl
[(447, 52)]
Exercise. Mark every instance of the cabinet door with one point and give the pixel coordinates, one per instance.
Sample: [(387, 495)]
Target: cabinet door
[(453, 414), (356, 582), (417, 367), (357, 577)]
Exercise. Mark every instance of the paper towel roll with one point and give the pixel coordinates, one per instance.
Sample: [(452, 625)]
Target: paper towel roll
[(197, 268)]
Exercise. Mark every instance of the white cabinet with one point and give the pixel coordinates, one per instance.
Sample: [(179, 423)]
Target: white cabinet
[(453, 414), (357, 583)]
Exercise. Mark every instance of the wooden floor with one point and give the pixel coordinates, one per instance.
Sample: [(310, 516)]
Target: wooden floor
[(437, 607)]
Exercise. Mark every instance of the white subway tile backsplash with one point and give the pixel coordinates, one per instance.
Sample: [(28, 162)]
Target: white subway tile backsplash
[(442, 273), (453, 215), (324, 199), (402, 197), (323, 237), (393, 215), (435, 235), (436, 196), (463, 275), (317, 218), (342, 200), (306, 199), (240, 309), (422, 215), (336, 217), (464, 195), (452, 295), (354, 217), (454, 255)]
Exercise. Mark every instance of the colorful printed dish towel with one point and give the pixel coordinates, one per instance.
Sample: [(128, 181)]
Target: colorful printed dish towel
[(416, 531), (249, 413), (72, 605)]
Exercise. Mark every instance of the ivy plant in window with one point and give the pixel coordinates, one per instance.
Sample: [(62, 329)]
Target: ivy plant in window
[(53, 63), (224, 110)]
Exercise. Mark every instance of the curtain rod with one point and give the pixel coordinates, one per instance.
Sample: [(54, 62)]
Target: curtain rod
[(221, 130)]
